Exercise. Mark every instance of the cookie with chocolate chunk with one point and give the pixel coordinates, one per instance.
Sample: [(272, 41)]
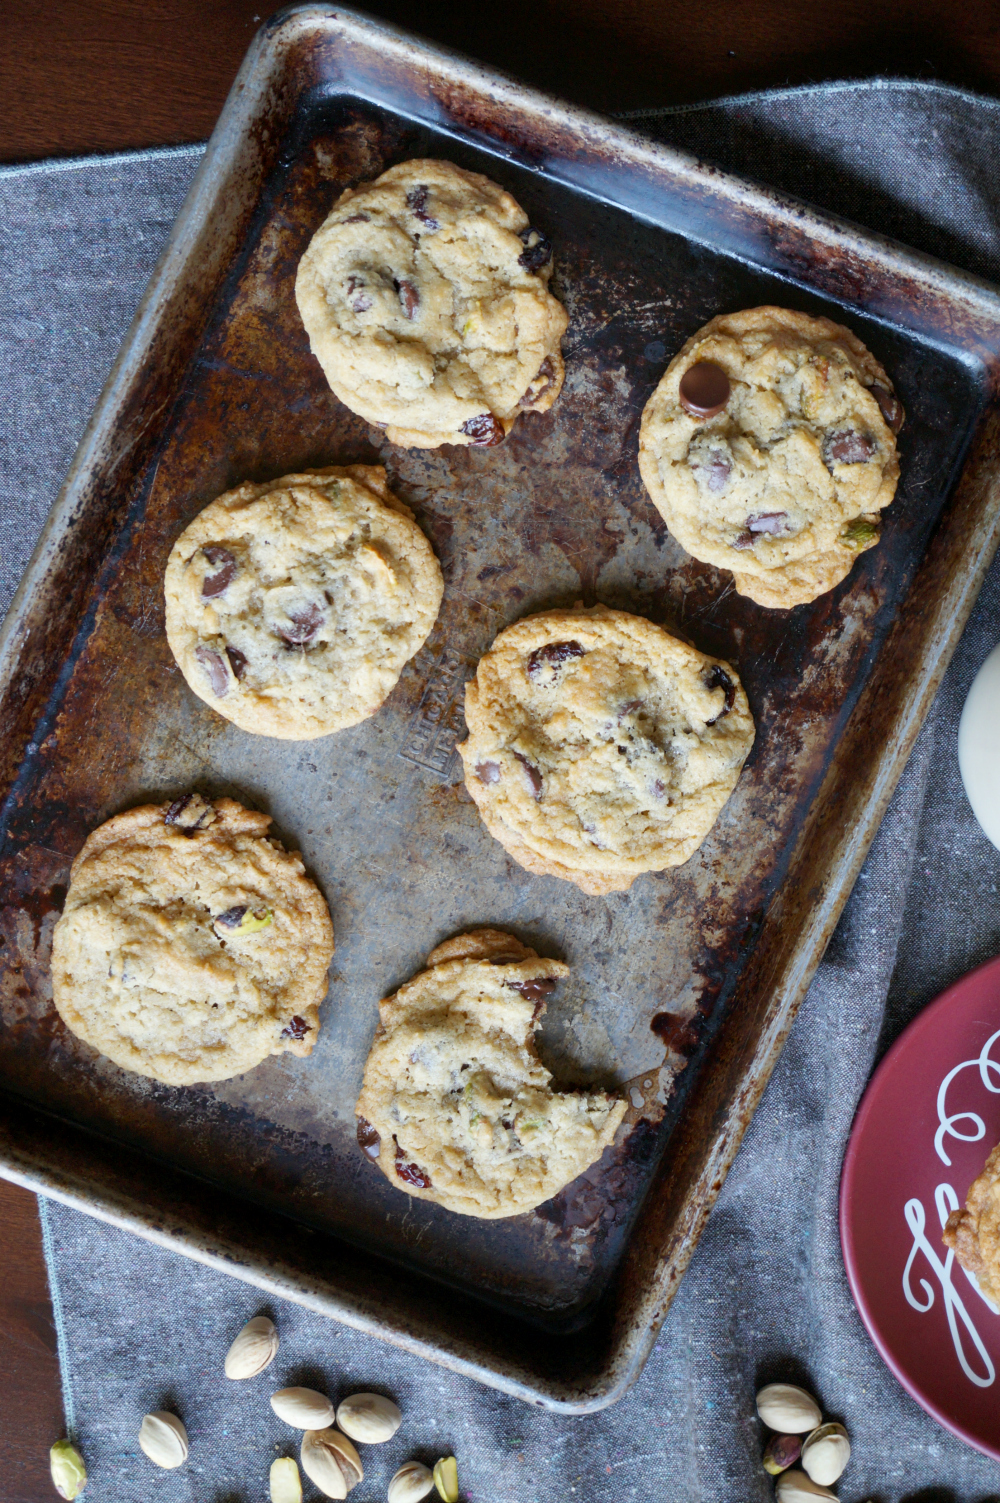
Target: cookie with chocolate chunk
[(600, 747), (292, 606), (769, 448), (425, 298), (192, 945), (456, 1106)]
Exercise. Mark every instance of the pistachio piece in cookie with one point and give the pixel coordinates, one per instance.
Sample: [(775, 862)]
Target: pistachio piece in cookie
[(769, 448), (600, 747), (456, 1106), (292, 606), (192, 945), (425, 297)]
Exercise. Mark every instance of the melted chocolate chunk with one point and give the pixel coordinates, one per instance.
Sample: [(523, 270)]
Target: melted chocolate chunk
[(704, 389), (356, 219), (416, 202), (742, 540), (630, 708), (553, 655), (532, 774), (847, 446), (658, 788), (237, 662), (409, 297), (485, 430), (542, 383), (190, 812), (232, 918), (357, 296), (224, 564), (716, 677), (715, 470), (488, 772), (890, 407), (216, 670), (534, 990), (368, 1139), (302, 626), (295, 1028), (410, 1174), (537, 250), (772, 524)]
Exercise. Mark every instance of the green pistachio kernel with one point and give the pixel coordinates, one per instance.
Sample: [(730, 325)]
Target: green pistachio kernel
[(68, 1471), (859, 534)]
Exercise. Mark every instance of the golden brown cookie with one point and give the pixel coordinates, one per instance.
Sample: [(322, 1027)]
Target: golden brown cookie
[(973, 1234)]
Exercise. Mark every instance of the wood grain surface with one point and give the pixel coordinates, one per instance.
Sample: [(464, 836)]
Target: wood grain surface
[(105, 75)]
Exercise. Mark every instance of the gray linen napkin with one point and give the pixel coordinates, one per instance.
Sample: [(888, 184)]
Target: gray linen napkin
[(765, 1296)]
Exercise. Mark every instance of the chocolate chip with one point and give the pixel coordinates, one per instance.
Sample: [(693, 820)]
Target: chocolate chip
[(630, 708), (215, 668), (537, 250), (356, 295), (773, 524), (232, 918), (532, 774), (544, 380), (553, 655), (190, 812), (302, 626), (356, 219), (488, 772), (716, 470), (295, 1028), (237, 662), (225, 565), (536, 989), (409, 297), (416, 202), (410, 1174), (507, 957), (485, 430), (716, 677), (368, 1139), (658, 787), (847, 446), (890, 406), (742, 540), (704, 389)]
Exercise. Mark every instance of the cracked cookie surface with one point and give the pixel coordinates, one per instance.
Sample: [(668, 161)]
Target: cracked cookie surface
[(600, 747), (293, 606), (191, 946), (785, 484), (973, 1233), (425, 298), (456, 1106)]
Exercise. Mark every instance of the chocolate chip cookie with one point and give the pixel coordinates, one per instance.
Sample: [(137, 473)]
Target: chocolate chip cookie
[(192, 945), (769, 448), (973, 1233), (425, 298), (291, 607), (600, 747), (456, 1105)]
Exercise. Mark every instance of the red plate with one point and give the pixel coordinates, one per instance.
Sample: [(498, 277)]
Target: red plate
[(928, 1119)]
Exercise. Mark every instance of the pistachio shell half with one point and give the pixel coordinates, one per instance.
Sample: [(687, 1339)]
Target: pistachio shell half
[(164, 1439), (412, 1482)]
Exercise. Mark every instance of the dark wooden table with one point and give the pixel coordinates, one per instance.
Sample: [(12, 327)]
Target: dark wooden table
[(103, 75)]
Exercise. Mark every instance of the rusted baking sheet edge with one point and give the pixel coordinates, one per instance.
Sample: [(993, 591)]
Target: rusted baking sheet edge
[(585, 1372)]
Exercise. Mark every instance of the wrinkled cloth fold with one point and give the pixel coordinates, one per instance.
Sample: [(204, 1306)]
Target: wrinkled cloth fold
[(766, 1296)]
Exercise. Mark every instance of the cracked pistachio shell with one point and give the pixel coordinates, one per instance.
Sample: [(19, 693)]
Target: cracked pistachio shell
[(787, 1409), (164, 1439), (286, 1484), (69, 1475), (330, 1460), (446, 1478), (368, 1418), (825, 1453), (412, 1482), (303, 1407), (796, 1487), (254, 1349)]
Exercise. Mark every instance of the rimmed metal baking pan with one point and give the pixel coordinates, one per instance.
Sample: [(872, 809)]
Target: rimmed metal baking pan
[(683, 989)]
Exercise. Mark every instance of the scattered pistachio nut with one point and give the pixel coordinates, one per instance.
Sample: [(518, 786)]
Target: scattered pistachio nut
[(782, 1452), (859, 534), (69, 1475), (446, 1478), (303, 1407), (412, 1482), (825, 1453), (330, 1460), (254, 1349), (796, 1487), (164, 1439), (286, 1484), (368, 1418), (787, 1409)]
